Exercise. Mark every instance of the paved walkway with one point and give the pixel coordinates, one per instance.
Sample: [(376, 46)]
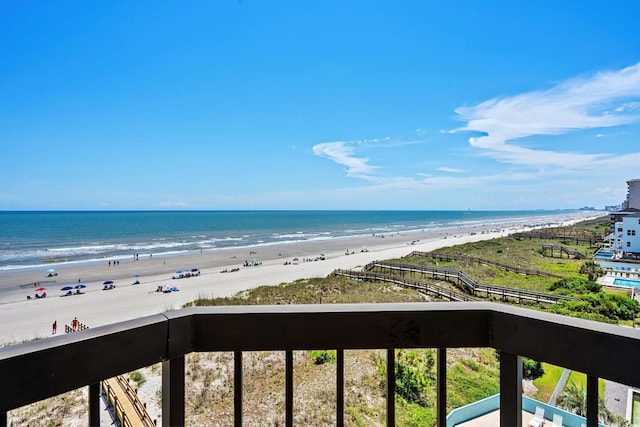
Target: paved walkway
[(561, 382)]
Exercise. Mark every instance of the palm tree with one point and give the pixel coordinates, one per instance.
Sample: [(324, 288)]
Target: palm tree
[(573, 398)]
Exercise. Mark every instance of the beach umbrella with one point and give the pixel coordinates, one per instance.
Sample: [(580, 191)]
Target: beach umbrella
[(41, 289), (108, 282), (66, 288), (51, 270), (80, 286), (136, 275)]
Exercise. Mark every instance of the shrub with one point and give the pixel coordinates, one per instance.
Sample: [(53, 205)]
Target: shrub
[(592, 270), (575, 286), (322, 356), (138, 377), (531, 368)]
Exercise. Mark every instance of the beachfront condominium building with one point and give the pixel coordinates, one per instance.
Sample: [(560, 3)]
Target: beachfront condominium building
[(625, 224), (633, 194), (628, 233)]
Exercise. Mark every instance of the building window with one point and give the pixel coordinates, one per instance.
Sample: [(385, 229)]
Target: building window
[(628, 244), (633, 232), (628, 232), (619, 229)]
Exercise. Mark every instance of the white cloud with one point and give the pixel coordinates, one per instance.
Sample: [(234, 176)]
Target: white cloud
[(605, 100), (451, 170), (343, 153)]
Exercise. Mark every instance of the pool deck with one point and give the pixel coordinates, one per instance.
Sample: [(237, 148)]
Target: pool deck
[(492, 419)]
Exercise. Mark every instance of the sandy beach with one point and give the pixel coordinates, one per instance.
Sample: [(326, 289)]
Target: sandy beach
[(25, 319)]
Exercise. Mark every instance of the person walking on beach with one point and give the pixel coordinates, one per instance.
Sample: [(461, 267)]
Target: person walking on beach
[(74, 323), (54, 329)]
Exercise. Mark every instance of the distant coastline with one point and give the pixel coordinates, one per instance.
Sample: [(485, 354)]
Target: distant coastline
[(32, 240)]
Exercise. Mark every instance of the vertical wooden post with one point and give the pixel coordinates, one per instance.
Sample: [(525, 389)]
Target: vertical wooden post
[(289, 388), (510, 390), (391, 387), (592, 401), (340, 387), (237, 389), (173, 392), (94, 405), (442, 387)]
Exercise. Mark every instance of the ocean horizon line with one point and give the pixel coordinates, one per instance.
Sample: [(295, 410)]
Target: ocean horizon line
[(289, 210)]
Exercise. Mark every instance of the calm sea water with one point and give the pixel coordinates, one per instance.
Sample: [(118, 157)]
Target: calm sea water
[(30, 240)]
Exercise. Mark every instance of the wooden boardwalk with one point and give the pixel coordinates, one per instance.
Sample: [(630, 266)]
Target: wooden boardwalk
[(397, 273), (505, 267), (562, 250), (127, 407)]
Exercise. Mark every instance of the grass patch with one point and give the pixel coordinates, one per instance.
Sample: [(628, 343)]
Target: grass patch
[(547, 382)]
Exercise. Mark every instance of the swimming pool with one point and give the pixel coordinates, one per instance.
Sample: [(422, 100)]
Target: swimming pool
[(604, 254), (626, 282)]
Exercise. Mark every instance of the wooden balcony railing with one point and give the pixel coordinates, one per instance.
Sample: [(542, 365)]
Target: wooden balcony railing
[(40, 369)]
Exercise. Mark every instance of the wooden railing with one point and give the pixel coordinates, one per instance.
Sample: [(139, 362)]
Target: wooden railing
[(418, 285), (37, 370), (551, 234), (505, 267), (466, 283), (562, 249)]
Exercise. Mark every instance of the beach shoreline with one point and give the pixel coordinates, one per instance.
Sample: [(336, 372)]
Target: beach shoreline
[(25, 319)]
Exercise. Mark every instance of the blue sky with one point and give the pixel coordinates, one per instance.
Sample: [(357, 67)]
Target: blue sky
[(318, 105)]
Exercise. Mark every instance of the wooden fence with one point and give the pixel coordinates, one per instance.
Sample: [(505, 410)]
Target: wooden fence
[(463, 281), (505, 267)]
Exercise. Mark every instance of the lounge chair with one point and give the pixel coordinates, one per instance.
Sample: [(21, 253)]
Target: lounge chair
[(538, 418), (557, 420)]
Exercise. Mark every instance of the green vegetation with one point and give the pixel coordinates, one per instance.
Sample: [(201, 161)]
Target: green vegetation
[(531, 368), (320, 357), (328, 290), (472, 374), (138, 377), (547, 382), (592, 270)]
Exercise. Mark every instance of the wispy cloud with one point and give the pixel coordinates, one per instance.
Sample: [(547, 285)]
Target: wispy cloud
[(344, 153), (604, 100), (451, 170)]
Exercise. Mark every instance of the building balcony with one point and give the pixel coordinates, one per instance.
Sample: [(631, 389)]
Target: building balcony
[(40, 369)]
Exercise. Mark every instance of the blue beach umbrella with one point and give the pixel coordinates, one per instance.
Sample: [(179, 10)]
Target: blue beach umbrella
[(51, 270), (80, 286), (108, 282), (66, 288)]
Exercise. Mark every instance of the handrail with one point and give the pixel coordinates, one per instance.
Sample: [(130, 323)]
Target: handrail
[(36, 370), (562, 249), (418, 285), (505, 267), (458, 277)]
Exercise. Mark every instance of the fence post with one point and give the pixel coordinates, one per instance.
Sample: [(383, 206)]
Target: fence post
[(442, 387), (173, 371), (510, 390), (391, 387), (94, 405)]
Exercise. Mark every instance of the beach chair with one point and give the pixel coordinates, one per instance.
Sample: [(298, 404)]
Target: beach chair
[(557, 420), (538, 418)]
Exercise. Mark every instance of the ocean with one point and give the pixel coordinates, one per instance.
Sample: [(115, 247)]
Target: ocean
[(44, 239)]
